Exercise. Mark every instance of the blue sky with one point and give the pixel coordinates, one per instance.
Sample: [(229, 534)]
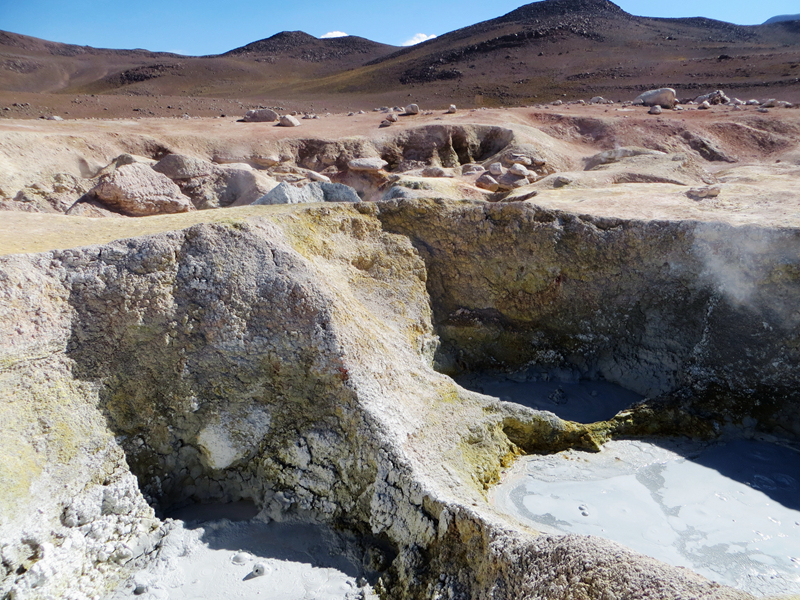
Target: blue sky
[(209, 27)]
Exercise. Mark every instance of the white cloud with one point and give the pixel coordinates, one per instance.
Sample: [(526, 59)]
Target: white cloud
[(420, 37), (333, 34)]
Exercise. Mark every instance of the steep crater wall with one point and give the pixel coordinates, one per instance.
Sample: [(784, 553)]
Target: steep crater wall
[(287, 359), (698, 313)]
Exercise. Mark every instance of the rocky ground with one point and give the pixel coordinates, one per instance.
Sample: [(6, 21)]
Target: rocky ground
[(299, 356)]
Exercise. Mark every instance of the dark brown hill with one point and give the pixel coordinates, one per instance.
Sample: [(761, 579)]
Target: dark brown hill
[(538, 52), (308, 48)]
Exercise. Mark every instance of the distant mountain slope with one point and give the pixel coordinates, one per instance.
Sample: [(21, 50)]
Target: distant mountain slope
[(781, 18), (308, 48), (540, 51)]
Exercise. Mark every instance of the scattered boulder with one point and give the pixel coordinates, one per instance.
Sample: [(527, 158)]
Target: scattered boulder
[(597, 100), (385, 123), (314, 176), (452, 109), (771, 103), (178, 166), (496, 169), (472, 169), (139, 191), (519, 170), (714, 98), (699, 193), (561, 181), (261, 115), (664, 97), (704, 105), (392, 117), (367, 164), (316, 191), (54, 118), (487, 182), (655, 110), (558, 103), (289, 121), (412, 109)]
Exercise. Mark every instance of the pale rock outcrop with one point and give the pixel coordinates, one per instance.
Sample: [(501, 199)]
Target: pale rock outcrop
[(289, 121), (640, 165), (138, 191), (312, 192), (664, 97), (436, 172), (214, 186), (54, 196), (373, 165), (261, 115), (177, 166)]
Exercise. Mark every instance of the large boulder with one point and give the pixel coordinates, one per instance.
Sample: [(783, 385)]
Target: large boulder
[(317, 191), (289, 121), (663, 97), (139, 191), (261, 115)]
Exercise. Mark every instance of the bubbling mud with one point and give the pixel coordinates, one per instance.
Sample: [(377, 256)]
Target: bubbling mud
[(729, 511)]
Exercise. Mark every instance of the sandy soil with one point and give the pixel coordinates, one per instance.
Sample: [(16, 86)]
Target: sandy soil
[(758, 187)]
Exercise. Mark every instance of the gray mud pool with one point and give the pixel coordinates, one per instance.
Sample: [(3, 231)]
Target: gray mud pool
[(226, 551), (729, 511)]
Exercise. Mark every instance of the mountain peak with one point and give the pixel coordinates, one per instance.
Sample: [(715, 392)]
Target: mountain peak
[(551, 8)]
